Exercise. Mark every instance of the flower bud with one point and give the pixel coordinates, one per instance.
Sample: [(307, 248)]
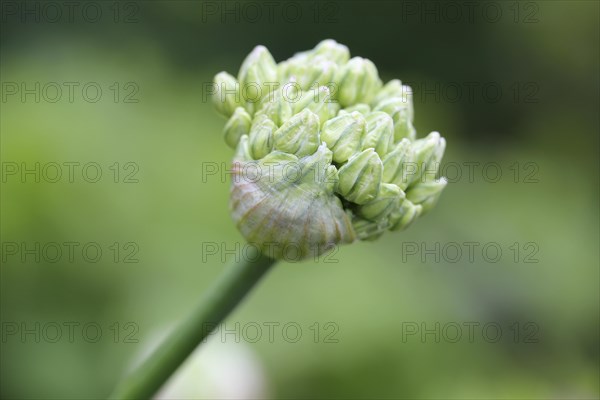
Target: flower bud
[(237, 126), (399, 110), (278, 108), (343, 135), (425, 151), (316, 166), (299, 135), (380, 207), (402, 218), (309, 75), (391, 89), (395, 89), (242, 151), (380, 133), (398, 165), (426, 193), (358, 82), (261, 137), (227, 95), (256, 70), (317, 101), (360, 177), (319, 72), (288, 216), (436, 159), (332, 51)]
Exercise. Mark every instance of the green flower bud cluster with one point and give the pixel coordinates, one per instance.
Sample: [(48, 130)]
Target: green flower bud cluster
[(335, 150)]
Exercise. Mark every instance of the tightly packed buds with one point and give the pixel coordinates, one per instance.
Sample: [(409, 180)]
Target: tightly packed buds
[(325, 153)]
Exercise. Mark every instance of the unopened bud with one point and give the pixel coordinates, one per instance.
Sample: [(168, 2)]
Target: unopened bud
[(427, 193), (405, 215), (343, 135), (360, 177), (398, 165), (424, 151), (380, 133), (400, 111), (299, 135), (258, 68), (380, 207), (227, 96), (358, 82), (332, 51), (237, 126), (261, 137)]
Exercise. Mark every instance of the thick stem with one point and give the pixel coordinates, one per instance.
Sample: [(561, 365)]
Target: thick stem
[(216, 303)]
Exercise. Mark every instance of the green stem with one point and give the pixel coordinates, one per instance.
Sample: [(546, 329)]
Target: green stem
[(216, 303)]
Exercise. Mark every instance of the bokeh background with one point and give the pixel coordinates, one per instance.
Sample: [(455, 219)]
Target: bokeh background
[(531, 116)]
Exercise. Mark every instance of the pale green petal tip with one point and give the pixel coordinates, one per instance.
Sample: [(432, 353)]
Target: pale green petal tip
[(261, 137), (236, 127), (299, 135), (387, 200), (360, 177), (227, 95), (343, 135), (379, 133), (337, 150), (358, 82), (258, 67)]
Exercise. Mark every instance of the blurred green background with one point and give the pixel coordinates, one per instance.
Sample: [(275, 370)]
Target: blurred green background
[(540, 132)]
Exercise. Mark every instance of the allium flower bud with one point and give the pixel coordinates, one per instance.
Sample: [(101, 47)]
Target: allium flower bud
[(277, 108), (318, 166), (400, 111), (261, 137), (389, 198), (318, 101), (343, 135), (380, 133), (360, 177), (398, 165), (237, 126), (227, 95), (404, 216), (333, 51), (259, 67), (318, 72), (428, 152), (395, 89), (427, 193), (299, 135), (358, 82)]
